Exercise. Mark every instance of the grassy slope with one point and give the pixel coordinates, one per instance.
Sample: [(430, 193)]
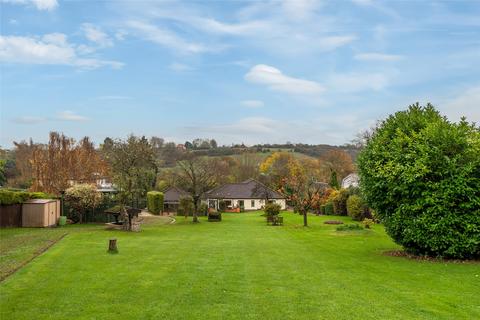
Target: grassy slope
[(237, 269)]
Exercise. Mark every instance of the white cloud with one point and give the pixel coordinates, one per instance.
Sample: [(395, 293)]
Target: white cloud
[(47, 5), (52, 48), (179, 67), (374, 56), (466, 103), (333, 42), (354, 82), (276, 80), (252, 103), (300, 9), (166, 38), (29, 120), (70, 116), (96, 35)]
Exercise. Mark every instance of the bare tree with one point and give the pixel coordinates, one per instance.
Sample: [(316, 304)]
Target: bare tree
[(307, 194), (197, 175)]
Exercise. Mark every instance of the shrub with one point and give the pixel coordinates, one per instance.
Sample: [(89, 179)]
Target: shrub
[(356, 208), (83, 197), (272, 209), (8, 197), (185, 207), (421, 175), (322, 209), (333, 222), (367, 223), (222, 206), (155, 202), (203, 208), (340, 203), (349, 227), (329, 208)]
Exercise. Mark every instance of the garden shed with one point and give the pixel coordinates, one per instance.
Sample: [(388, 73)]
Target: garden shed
[(40, 213)]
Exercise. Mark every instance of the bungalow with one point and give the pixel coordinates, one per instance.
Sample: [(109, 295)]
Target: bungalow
[(171, 198), (250, 194), (352, 180)]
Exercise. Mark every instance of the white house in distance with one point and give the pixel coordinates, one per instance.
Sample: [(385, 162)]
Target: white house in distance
[(249, 194), (352, 180)]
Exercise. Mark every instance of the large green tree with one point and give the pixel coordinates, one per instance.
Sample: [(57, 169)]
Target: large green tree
[(133, 165), (421, 174)]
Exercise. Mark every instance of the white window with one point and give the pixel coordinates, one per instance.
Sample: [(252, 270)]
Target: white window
[(252, 203)]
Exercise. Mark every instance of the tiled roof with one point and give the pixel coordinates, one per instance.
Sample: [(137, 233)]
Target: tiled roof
[(173, 194), (249, 189)]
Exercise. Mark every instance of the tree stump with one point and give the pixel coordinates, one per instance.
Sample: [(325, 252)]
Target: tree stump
[(112, 246)]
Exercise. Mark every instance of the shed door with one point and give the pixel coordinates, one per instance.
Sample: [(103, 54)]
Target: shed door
[(52, 213)]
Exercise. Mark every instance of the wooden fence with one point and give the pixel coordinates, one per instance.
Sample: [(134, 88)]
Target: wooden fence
[(11, 215)]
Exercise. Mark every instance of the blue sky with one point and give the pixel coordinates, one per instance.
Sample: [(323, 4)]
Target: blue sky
[(253, 72)]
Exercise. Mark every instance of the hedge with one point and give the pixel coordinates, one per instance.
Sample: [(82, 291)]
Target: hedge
[(155, 202), (8, 197)]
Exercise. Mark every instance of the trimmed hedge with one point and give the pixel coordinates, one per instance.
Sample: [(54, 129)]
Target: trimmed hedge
[(155, 202), (8, 197)]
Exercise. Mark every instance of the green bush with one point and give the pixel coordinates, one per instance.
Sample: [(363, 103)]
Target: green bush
[(222, 206), (155, 202), (421, 175), (185, 207), (340, 203), (349, 227), (8, 197), (322, 209), (272, 209), (367, 223), (356, 208), (328, 209), (203, 208)]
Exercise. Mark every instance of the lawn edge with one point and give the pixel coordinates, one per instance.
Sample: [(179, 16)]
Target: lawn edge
[(36, 254)]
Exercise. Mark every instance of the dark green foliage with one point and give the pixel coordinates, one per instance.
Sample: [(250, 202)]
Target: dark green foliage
[(349, 227), (155, 202), (340, 203), (214, 216), (222, 206), (8, 197), (329, 208), (356, 208), (421, 175), (272, 209), (203, 209), (185, 207), (334, 180), (322, 209)]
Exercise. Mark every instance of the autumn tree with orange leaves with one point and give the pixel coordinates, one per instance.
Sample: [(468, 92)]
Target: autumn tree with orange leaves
[(63, 162)]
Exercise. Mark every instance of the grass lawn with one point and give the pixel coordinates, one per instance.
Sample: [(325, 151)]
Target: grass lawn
[(236, 269)]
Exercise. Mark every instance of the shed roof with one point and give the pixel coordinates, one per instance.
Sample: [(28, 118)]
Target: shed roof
[(173, 194), (39, 201), (249, 189)]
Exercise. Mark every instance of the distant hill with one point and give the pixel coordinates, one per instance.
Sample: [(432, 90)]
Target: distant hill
[(299, 150)]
